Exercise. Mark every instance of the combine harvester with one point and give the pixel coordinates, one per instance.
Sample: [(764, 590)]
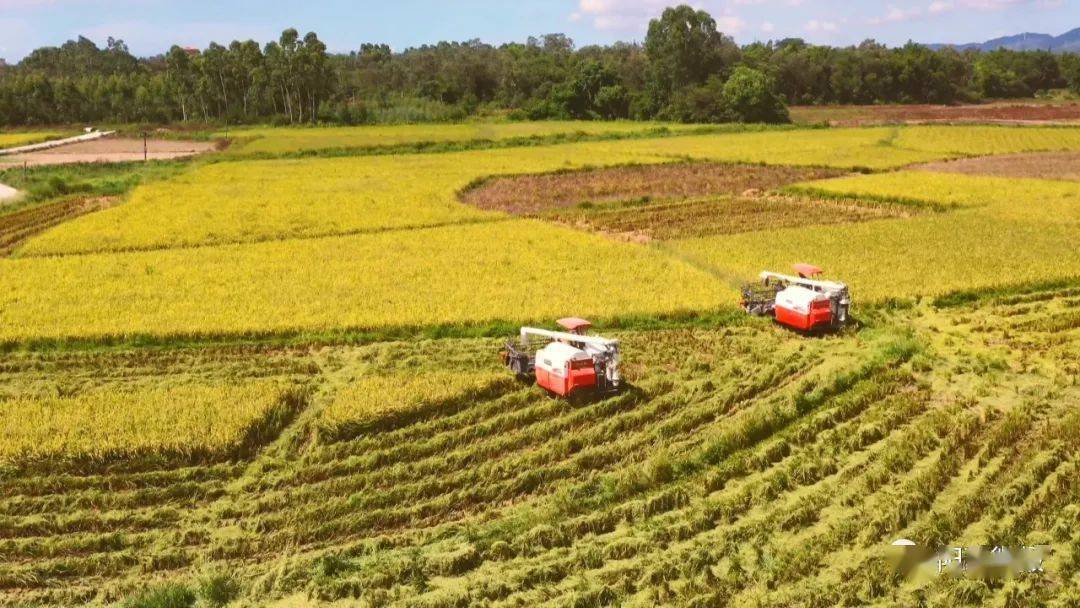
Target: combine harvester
[(799, 302), (571, 363)]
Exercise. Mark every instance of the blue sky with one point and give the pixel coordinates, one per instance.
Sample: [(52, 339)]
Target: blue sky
[(151, 26)]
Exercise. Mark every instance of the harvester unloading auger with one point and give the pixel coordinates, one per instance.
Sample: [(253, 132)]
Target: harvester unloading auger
[(570, 363), (799, 302)]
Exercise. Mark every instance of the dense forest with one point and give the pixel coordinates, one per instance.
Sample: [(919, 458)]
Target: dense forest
[(686, 70)]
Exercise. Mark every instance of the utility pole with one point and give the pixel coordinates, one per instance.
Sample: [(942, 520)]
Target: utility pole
[(145, 155)]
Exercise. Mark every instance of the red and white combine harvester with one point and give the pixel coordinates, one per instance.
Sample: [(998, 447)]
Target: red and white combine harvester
[(569, 363), (799, 302)]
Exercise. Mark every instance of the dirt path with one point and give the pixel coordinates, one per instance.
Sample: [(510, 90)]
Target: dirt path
[(109, 150), (7, 193)]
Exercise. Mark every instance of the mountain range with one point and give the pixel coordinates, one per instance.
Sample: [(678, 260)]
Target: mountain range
[(1069, 42)]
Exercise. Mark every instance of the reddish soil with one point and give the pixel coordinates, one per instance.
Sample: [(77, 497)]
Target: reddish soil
[(532, 194), (999, 112), (1040, 165), (111, 150)]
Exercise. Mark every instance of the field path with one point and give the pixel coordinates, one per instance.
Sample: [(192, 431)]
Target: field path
[(54, 143), (7, 193)]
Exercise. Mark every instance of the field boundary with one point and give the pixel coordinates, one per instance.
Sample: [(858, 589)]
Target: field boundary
[(902, 201), (466, 145), (724, 315), (54, 143), (268, 239)]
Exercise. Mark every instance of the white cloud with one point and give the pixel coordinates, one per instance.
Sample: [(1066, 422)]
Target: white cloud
[(730, 24), (768, 27), (937, 8), (896, 15), (620, 14), (634, 15), (815, 25), (940, 6)]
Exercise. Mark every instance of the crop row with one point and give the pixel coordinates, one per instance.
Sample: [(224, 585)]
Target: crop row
[(186, 423), (743, 465), (714, 216), (18, 226), (564, 535)]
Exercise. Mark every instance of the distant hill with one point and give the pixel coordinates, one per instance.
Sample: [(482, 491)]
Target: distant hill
[(1069, 42)]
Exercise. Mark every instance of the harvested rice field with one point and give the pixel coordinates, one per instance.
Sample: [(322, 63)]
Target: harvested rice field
[(272, 376), (530, 194), (1039, 165)]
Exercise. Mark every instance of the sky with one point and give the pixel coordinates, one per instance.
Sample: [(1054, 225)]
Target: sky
[(151, 26)]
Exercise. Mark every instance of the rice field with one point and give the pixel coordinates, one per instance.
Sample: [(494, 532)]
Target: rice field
[(184, 422), (16, 139), (474, 274), (711, 216), (291, 140), (747, 465), (384, 402), (264, 200), (993, 232), (276, 382)]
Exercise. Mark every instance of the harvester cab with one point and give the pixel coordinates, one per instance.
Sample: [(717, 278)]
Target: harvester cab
[(800, 302), (569, 362)]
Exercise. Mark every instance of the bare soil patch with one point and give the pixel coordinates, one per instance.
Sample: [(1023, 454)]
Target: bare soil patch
[(719, 215), (994, 113), (534, 194), (1040, 165), (111, 150), (17, 227)]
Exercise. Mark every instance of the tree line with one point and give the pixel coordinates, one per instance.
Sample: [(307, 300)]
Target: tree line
[(685, 70)]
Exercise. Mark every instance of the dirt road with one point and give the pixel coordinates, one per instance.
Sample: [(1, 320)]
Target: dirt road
[(109, 150), (7, 193)]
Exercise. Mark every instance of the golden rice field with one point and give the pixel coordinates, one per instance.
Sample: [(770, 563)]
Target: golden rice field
[(280, 199), (184, 422), (285, 140), (984, 140), (875, 148), (488, 268), (514, 270), (276, 382), (12, 140), (1003, 232), (747, 465), (384, 402), (263, 200)]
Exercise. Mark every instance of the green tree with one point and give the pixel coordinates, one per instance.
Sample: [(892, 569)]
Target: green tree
[(685, 49), (750, 96)]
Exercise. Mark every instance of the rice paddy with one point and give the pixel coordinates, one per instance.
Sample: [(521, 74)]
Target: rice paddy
[(292, 140), (16, 139), (276, 383)]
